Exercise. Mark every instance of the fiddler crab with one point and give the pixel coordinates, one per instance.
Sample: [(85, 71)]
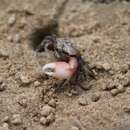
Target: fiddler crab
[(70, 66)]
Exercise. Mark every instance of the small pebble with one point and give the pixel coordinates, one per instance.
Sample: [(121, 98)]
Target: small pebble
[(46, 110), (114, 92), (37, 83), (96, 39), (124, 68), (111, 72), (50, 118), (17, 38), (24, 79), (46, 99), (129, 11), (82, 101), (108, 86), (95, 97), (22, 23), (52, 103), (23, 102), (111, 86), (74, 128), (126, 109), (5, 119), (4, 53), (1, 80), (74, 92), (128, 90), (43, 120), (10, 38), (3, 86), (12, 20), (121, 89), (103, 86), (98, 65), (69, 94), (106, 66), (16, 119), (5, 126), (86, 87)]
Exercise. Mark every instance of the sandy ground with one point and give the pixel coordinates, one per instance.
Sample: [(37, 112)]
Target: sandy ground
[(100, 29)]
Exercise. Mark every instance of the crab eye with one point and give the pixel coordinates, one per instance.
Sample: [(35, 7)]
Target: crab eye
[(50, 47), (50, 70)]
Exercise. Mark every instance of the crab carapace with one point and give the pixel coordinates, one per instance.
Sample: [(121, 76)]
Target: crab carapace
[(63, 50)]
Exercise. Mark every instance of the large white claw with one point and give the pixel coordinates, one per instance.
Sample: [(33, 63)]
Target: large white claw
[(61, 70)]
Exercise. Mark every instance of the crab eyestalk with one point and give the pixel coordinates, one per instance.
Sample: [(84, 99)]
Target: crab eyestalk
[(61, 70)]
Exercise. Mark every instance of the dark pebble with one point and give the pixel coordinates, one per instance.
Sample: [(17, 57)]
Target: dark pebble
[(95, 97), (126, 109)]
